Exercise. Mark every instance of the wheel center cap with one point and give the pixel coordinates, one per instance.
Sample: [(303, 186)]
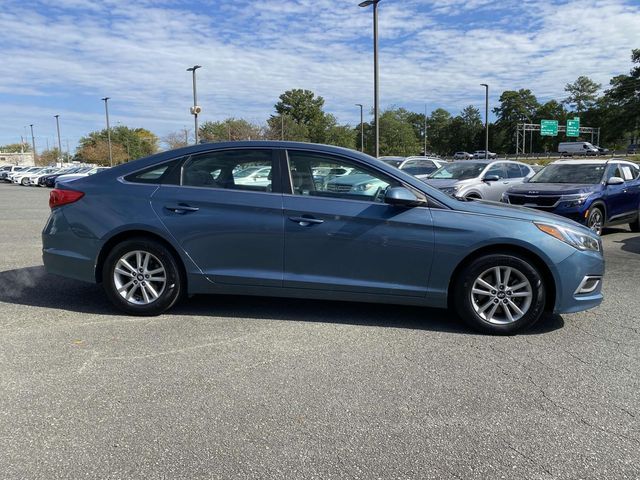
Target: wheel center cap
[(141, 277), (501, 295)]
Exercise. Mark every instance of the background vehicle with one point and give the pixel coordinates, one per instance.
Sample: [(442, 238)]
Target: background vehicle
[(33, 179), (633, 148), (393, 161), (253, 176), (479, 179), (172, 229), (462, 156), (479, 154), (22, 177), (84, 173), (602, 150), (596, 193), (421, 167), (50, 180), (568, 149), (4, 174)]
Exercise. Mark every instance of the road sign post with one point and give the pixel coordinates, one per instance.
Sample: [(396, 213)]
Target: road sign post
[(549, 128), (573, 127)]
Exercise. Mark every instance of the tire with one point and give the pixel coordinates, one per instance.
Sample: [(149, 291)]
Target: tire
[(24, 182), (153, 290), (503, 310), (473, 196), (635, 226), (595, 220)]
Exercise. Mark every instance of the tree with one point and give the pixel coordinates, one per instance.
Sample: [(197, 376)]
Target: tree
[(397, 136), (98, 153), (304, 108), (284, 127), (622, 101), (342, 136), (231, 129), (15, 148), (52, 156), (582, 93), (136, 142), (515, 107), (439, 131), (177, 139), (472, 129)]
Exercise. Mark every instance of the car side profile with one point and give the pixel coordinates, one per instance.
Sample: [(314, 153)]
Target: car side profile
[(479, 179), (177, 223), (596, 193), (463, 156)]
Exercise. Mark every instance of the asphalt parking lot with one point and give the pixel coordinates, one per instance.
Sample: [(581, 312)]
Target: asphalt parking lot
[(233, 387)]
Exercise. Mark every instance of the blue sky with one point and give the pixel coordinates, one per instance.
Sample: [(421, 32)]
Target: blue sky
[(62, 56)]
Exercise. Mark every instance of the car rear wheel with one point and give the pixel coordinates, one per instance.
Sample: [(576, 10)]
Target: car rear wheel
[(635, 226), (142, 277), (595, 220), (500, 294)]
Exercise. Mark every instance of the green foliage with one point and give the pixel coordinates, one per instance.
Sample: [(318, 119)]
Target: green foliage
[(15, 148), (136, 142), (582, 93), (397, 136), (231, 129)]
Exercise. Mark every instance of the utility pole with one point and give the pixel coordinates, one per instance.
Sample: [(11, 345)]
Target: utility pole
[(195, 110), (59, 142), (33, 144), (486, 121), (361, 127), (376, 92), (106, 111), (425, 129)]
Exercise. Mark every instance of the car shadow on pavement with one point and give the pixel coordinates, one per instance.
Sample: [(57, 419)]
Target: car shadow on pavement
[(32, 286), (631, 245)]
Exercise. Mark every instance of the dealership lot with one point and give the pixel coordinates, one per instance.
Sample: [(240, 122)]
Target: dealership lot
[(267, 388)]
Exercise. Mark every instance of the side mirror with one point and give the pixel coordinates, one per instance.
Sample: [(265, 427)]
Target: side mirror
[(615, 181), (402, 196), (491, 178)]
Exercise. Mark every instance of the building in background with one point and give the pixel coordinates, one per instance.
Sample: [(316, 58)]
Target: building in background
[(23, 159)]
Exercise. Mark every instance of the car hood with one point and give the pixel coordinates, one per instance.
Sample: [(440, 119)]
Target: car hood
[(497, 209), (553, 188), (447, 182)]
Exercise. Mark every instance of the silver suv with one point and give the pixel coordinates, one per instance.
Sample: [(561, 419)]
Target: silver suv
[(479, 179)]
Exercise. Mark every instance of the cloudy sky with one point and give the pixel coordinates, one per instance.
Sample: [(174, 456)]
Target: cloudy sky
[(62, 56)]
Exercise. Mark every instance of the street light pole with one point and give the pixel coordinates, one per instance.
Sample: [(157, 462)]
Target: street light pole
[(59, 141), (425, 129), (106, 111), (361, 127), (195, 110), (486, 121), (376, 96), (33, 144)]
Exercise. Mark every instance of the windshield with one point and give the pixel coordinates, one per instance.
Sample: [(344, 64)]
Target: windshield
[(567, 173), (394, 162), (459, 171)]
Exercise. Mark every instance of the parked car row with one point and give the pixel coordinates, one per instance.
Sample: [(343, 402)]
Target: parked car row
[(45, 176)]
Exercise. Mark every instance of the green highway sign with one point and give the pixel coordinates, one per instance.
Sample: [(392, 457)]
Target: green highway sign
[(549, 127), (573, 127)]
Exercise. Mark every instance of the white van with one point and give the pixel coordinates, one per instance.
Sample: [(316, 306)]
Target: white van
[(576, 148)]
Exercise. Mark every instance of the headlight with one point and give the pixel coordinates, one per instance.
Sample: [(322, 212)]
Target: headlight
[(575, 238), (363, 187), (575, 200), (450, 190)]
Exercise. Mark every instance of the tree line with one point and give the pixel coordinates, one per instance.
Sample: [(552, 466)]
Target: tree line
[(299, 116)]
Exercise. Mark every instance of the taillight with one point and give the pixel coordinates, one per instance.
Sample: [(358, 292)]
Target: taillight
[(58, 197)]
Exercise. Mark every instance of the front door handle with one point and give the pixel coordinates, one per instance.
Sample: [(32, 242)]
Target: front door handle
[(306, 221), (181, 208)]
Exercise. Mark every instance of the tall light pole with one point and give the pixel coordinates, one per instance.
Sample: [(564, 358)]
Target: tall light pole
[(425, 129), (376, 96), (361, 127), (486, 121), (33, 144), (59, 141), (106, 111), (195, 110)]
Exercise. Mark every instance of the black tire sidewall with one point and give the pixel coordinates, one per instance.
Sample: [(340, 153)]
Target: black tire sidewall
[(172, 291), (464, 284), (591, 213)]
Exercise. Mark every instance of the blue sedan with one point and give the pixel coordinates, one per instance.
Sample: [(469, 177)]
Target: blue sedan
[(180, 223)]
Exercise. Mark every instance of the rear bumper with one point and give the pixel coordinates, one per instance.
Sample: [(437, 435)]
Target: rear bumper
[(64, 252)]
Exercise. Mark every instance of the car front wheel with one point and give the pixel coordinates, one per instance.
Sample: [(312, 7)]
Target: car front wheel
[(500, 294), (595, 220), (142, 277)]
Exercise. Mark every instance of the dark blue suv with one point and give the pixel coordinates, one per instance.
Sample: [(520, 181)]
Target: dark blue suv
[(596, 193)]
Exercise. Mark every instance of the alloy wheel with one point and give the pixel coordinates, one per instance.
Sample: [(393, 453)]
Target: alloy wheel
[(595, 221), (501, 295), (139, 277)]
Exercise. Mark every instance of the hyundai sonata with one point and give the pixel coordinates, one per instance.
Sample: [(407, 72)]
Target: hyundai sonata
[(178, 223)]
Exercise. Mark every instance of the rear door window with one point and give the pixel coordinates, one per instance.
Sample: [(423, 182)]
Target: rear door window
[(514, 171)]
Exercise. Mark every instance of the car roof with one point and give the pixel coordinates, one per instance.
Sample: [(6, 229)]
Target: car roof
[(589, 162)]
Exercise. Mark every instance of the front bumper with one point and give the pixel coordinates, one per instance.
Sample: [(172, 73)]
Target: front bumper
[(571, 276)]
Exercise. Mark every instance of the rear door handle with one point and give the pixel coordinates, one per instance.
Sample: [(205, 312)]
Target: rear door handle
[(306, 221), (181, 208)]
